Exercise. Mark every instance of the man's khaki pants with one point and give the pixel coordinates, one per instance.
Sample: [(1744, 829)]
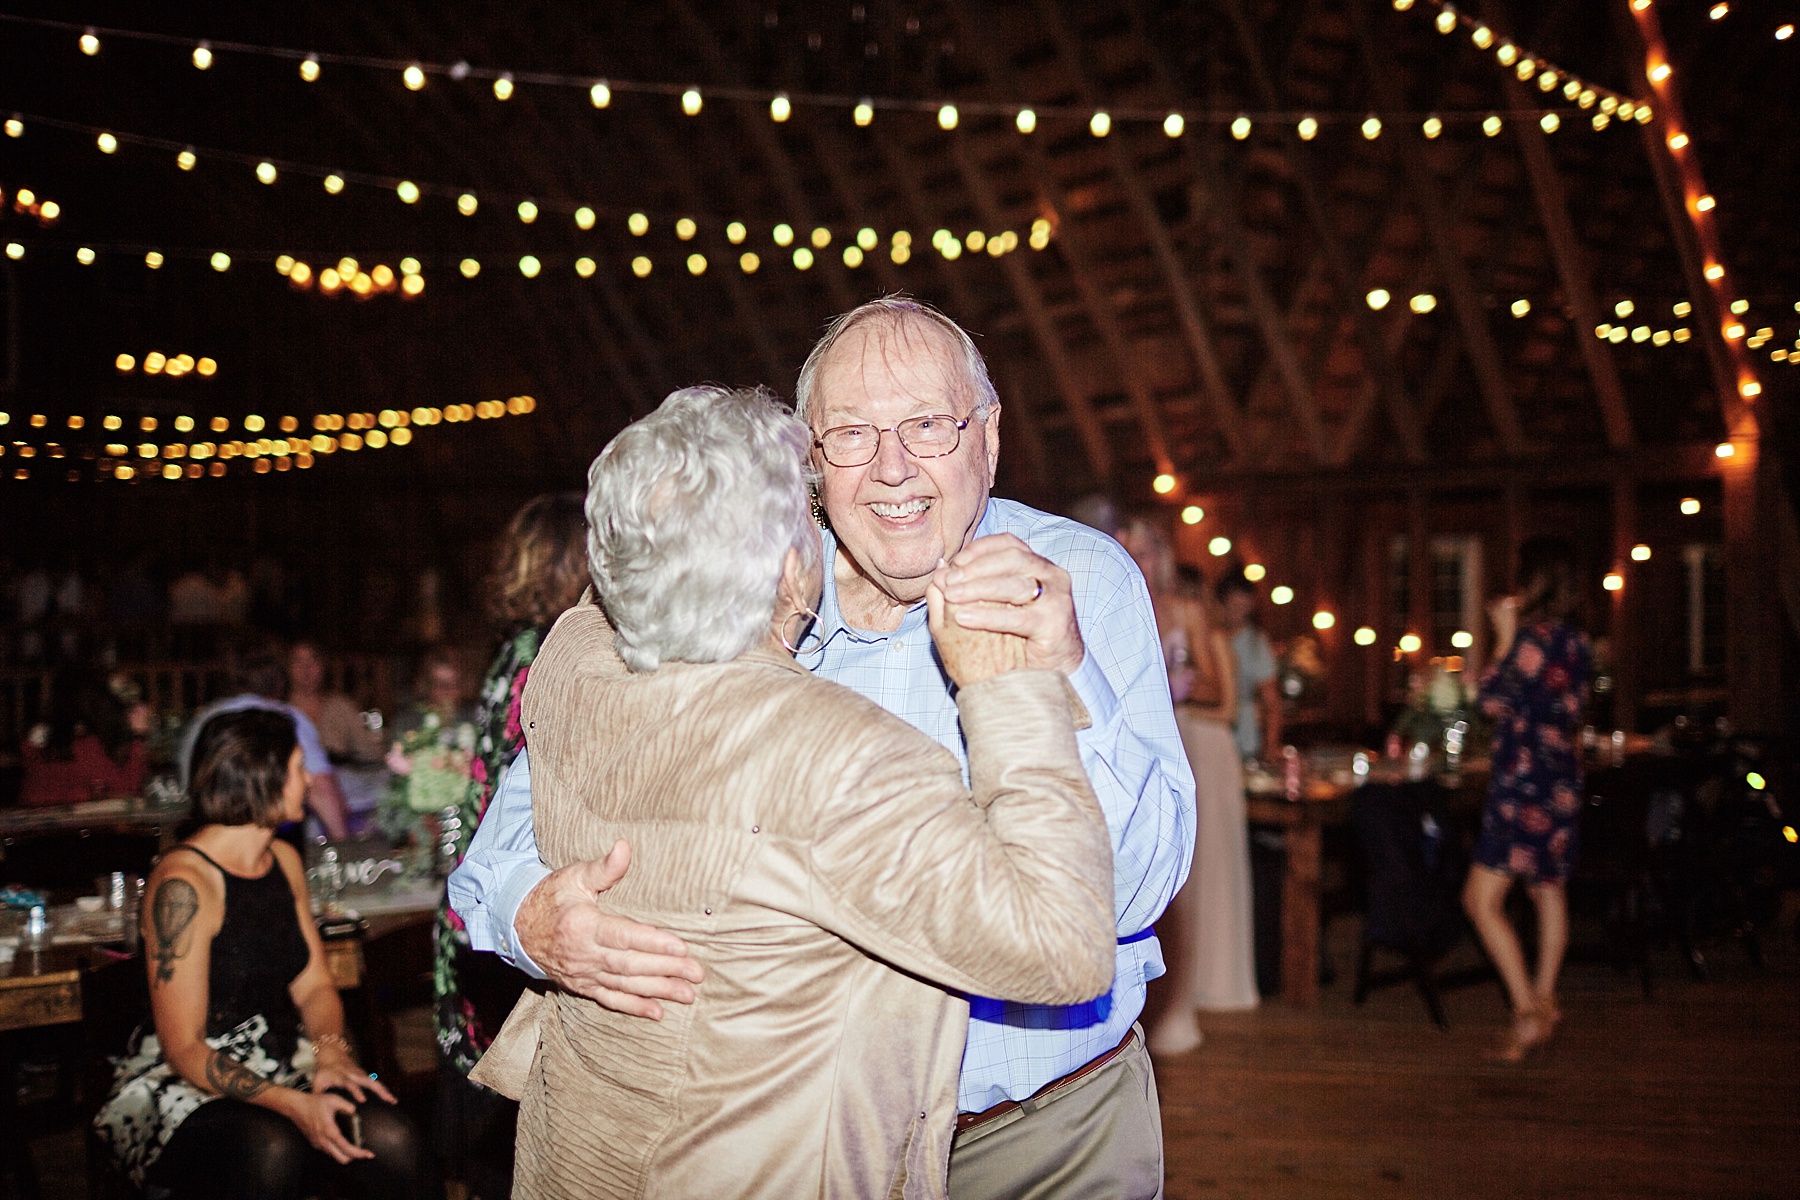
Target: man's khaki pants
[(1099, 1138)]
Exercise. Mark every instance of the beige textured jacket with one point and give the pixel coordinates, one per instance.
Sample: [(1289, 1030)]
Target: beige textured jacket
[(825, 863)]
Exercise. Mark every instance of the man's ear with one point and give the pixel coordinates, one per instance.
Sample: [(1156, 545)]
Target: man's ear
[(993, 442)]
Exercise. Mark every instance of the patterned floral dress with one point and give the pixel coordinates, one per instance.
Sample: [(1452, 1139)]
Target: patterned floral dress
[(463, 1035), (1536, 697)]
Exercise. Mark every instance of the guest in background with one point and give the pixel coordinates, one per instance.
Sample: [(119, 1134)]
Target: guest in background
[(342, 730), (1258, 697), (261, 681), (1535, 693), (355, 749), (1209, 929), (541, 570), (245, 1085), (440, 694), (90, 748)]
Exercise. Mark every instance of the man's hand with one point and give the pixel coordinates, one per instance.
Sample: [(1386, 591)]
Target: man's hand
[(619, 963), (998, 584)]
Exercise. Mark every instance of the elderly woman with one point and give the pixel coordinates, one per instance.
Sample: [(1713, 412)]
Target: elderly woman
[(825, 862)]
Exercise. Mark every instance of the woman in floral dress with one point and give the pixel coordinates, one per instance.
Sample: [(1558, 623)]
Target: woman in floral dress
[(1535, 693), (541, 570)]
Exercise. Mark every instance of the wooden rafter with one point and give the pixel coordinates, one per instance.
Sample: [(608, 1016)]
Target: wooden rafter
[(781, 166), (1075, 257), (1465, 302), (1022, 414), (1571, 261), (1344, 280), (1038, 319), (1193, 324)]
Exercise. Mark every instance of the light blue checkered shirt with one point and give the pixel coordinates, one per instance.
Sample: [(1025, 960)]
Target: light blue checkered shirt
[(1132, 752)]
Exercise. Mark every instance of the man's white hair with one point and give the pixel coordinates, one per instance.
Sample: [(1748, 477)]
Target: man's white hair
[(691, 512), (895, 312)]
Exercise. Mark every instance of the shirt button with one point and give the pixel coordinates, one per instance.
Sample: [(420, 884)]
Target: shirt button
[(897, 646)]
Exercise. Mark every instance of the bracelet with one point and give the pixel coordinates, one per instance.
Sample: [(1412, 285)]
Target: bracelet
[(336, 1040)]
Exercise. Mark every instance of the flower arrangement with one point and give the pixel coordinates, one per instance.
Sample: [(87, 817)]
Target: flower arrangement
[(431, 774)]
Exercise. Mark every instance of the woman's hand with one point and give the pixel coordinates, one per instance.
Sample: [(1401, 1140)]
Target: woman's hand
[(338, 1070), (1504, 613), (316, 1114), (969, 655)]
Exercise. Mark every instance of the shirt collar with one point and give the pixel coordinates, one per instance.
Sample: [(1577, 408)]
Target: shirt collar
[(831, 624)]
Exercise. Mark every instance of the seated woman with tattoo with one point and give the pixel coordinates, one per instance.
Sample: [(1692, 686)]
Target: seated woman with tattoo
[(246, 1087)]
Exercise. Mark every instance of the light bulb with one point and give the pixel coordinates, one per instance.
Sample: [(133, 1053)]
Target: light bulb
[(1410, 643), (221, 261), (469, 267), (600, 94), (309, 68), (529, 266), (1163, 484), (735, 233), (1371, 127), (638, 223), (640, 266), (413, 77), (584, 218), (1364, 636), (748, 262), (1520, 307), (90, 44), (1255, 572), (1281, 594), (408, 191), (466, 204), (1378, 298), (585, 267), (783, 234), (1690, 507), (528, 212), (1026, 121), (1240, 127), (803, 258), (696, 264), (685, 229), (1549, 122), (1323, 620), (107, 143), (503, 87), (780, 108), (853, 256), (1422, 303), (947, 117), (202, 56), (1219, 547), (691, 102), (863, 113), (1432, 127), (1174, 125), (1308, 129), (1613, 582), (334, 184), (1193, 514), (1100, 124)]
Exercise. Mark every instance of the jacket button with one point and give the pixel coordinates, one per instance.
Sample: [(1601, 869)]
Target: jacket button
[(921, 1116), (533, 725), (756, 829), (709, 912)]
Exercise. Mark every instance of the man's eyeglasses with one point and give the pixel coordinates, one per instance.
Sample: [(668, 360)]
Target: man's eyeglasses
[(931, 436)]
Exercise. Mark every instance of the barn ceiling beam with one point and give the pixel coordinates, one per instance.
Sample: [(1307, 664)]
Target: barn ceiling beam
[(1038, 319), (1571, 261), (1194, 330), (762, 135), (1465, 302), (1075, 256), (1344, 280), (1023, 414)]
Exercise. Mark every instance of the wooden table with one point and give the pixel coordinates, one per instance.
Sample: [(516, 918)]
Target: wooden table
[(1304, 822), (43, 987), (129, 817)]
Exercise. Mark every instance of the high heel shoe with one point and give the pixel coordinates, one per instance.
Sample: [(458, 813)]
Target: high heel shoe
[(1528, 1031)]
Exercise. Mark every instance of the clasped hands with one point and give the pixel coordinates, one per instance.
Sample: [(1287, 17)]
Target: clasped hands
[(995, 586)]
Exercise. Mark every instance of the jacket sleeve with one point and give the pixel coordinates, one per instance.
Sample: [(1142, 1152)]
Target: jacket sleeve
[(1003, 888)]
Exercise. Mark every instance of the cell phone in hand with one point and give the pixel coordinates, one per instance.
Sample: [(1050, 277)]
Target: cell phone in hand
[(350, 1125)]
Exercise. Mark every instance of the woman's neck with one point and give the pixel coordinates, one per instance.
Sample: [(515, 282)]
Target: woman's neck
[(240, 849)]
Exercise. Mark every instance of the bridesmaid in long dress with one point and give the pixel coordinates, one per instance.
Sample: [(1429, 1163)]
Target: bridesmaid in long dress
[(1208, 929)]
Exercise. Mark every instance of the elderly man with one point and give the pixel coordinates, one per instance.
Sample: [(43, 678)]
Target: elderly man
[(1054, 1101)]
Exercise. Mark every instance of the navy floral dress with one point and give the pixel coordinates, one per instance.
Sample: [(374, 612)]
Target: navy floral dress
[(1536, 697)]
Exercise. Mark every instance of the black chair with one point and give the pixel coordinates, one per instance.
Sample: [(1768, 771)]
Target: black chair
[(1415, 871)]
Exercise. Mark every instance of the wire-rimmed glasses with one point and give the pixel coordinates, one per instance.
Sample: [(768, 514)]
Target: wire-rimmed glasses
[(931, 436)]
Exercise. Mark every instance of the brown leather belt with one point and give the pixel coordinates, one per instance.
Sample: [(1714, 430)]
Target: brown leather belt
[(968, 1121)]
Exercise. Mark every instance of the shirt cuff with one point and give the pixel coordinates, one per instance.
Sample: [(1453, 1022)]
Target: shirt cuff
[(1095, 692), (507, 899)]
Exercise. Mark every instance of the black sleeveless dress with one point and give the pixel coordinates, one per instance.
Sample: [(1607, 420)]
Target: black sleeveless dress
[(258, 952)]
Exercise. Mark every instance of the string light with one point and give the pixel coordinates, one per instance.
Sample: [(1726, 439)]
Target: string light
[(1690, 507), (1281, 594), (202, 57), (1100, 124), (947, 117), (1364, 636), (309, 68), (413, 77), (1410, 643), (600, 95), (691, 102), (780, 108), (803, 258), (1422, 303), (640, 266), (408, 191), (1025, 121), (696, 264), (1163, 484), (1640, 553), (1462, 639), (1432, 127), (748, 262), (90, 44), (1614, 582), (107, 142), (584, 218), (1371, 127), (1521, 307), (1378, 298), (503, 86), (1323, 620), (1193, 514), (1240, 127), (1308, 129), (638, 224), (1255, 572), (334, 184), (1219, 547), (863, 114)]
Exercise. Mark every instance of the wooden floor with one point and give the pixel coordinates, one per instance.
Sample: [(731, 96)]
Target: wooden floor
[(1693, 1093)]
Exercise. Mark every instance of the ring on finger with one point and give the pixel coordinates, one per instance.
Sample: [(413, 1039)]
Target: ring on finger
[(1036, 594)]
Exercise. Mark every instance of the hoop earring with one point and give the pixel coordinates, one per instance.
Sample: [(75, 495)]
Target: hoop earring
[(799, 612)]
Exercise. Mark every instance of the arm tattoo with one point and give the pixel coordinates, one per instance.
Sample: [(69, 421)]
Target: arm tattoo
[(172, 912), (232, 1079)]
